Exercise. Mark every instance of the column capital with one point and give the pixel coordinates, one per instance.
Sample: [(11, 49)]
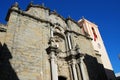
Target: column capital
[(73, 61), (72, 54), (51, 49), (79, 54)]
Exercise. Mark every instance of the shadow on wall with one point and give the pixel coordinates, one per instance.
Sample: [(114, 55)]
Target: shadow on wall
[(118, 78), (96, 70), (6, 70), (111, 74)]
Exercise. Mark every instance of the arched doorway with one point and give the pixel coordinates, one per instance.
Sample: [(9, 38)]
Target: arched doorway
[(61, 78)]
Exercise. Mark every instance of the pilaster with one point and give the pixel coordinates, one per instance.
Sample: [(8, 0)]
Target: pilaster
[(83, 70), (53, 65), (82, 66)]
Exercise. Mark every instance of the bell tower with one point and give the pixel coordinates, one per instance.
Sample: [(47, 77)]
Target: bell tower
[(91, 29)]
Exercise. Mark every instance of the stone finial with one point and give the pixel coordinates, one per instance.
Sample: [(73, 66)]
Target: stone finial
[(15, 4), (43, 4), (54, 11), (31, 3), (83, 18), (69, 17)]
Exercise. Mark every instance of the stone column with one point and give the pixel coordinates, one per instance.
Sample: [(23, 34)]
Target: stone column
[(69, 41), (51, 31), (52, 51), (78, 72), (54, 72), (74, 69), (83, 70)]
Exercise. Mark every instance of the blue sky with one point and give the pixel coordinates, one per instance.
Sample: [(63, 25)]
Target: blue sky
[(104, 13)]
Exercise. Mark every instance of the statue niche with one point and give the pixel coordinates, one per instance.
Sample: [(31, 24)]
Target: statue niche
[(59, 41)]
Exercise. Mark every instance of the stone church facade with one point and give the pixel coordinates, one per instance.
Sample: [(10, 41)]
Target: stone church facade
[(39, 44)]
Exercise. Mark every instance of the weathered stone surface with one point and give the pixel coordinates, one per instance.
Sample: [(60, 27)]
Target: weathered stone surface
[(28, 39)]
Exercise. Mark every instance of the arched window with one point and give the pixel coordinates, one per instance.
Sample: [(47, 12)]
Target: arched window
[(94, 33), (61, 78)]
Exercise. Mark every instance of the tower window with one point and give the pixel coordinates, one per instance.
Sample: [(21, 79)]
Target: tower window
[(94, 33)]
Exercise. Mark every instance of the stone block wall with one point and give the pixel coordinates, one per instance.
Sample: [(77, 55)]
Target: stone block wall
[(2, 33), (28, 37)]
